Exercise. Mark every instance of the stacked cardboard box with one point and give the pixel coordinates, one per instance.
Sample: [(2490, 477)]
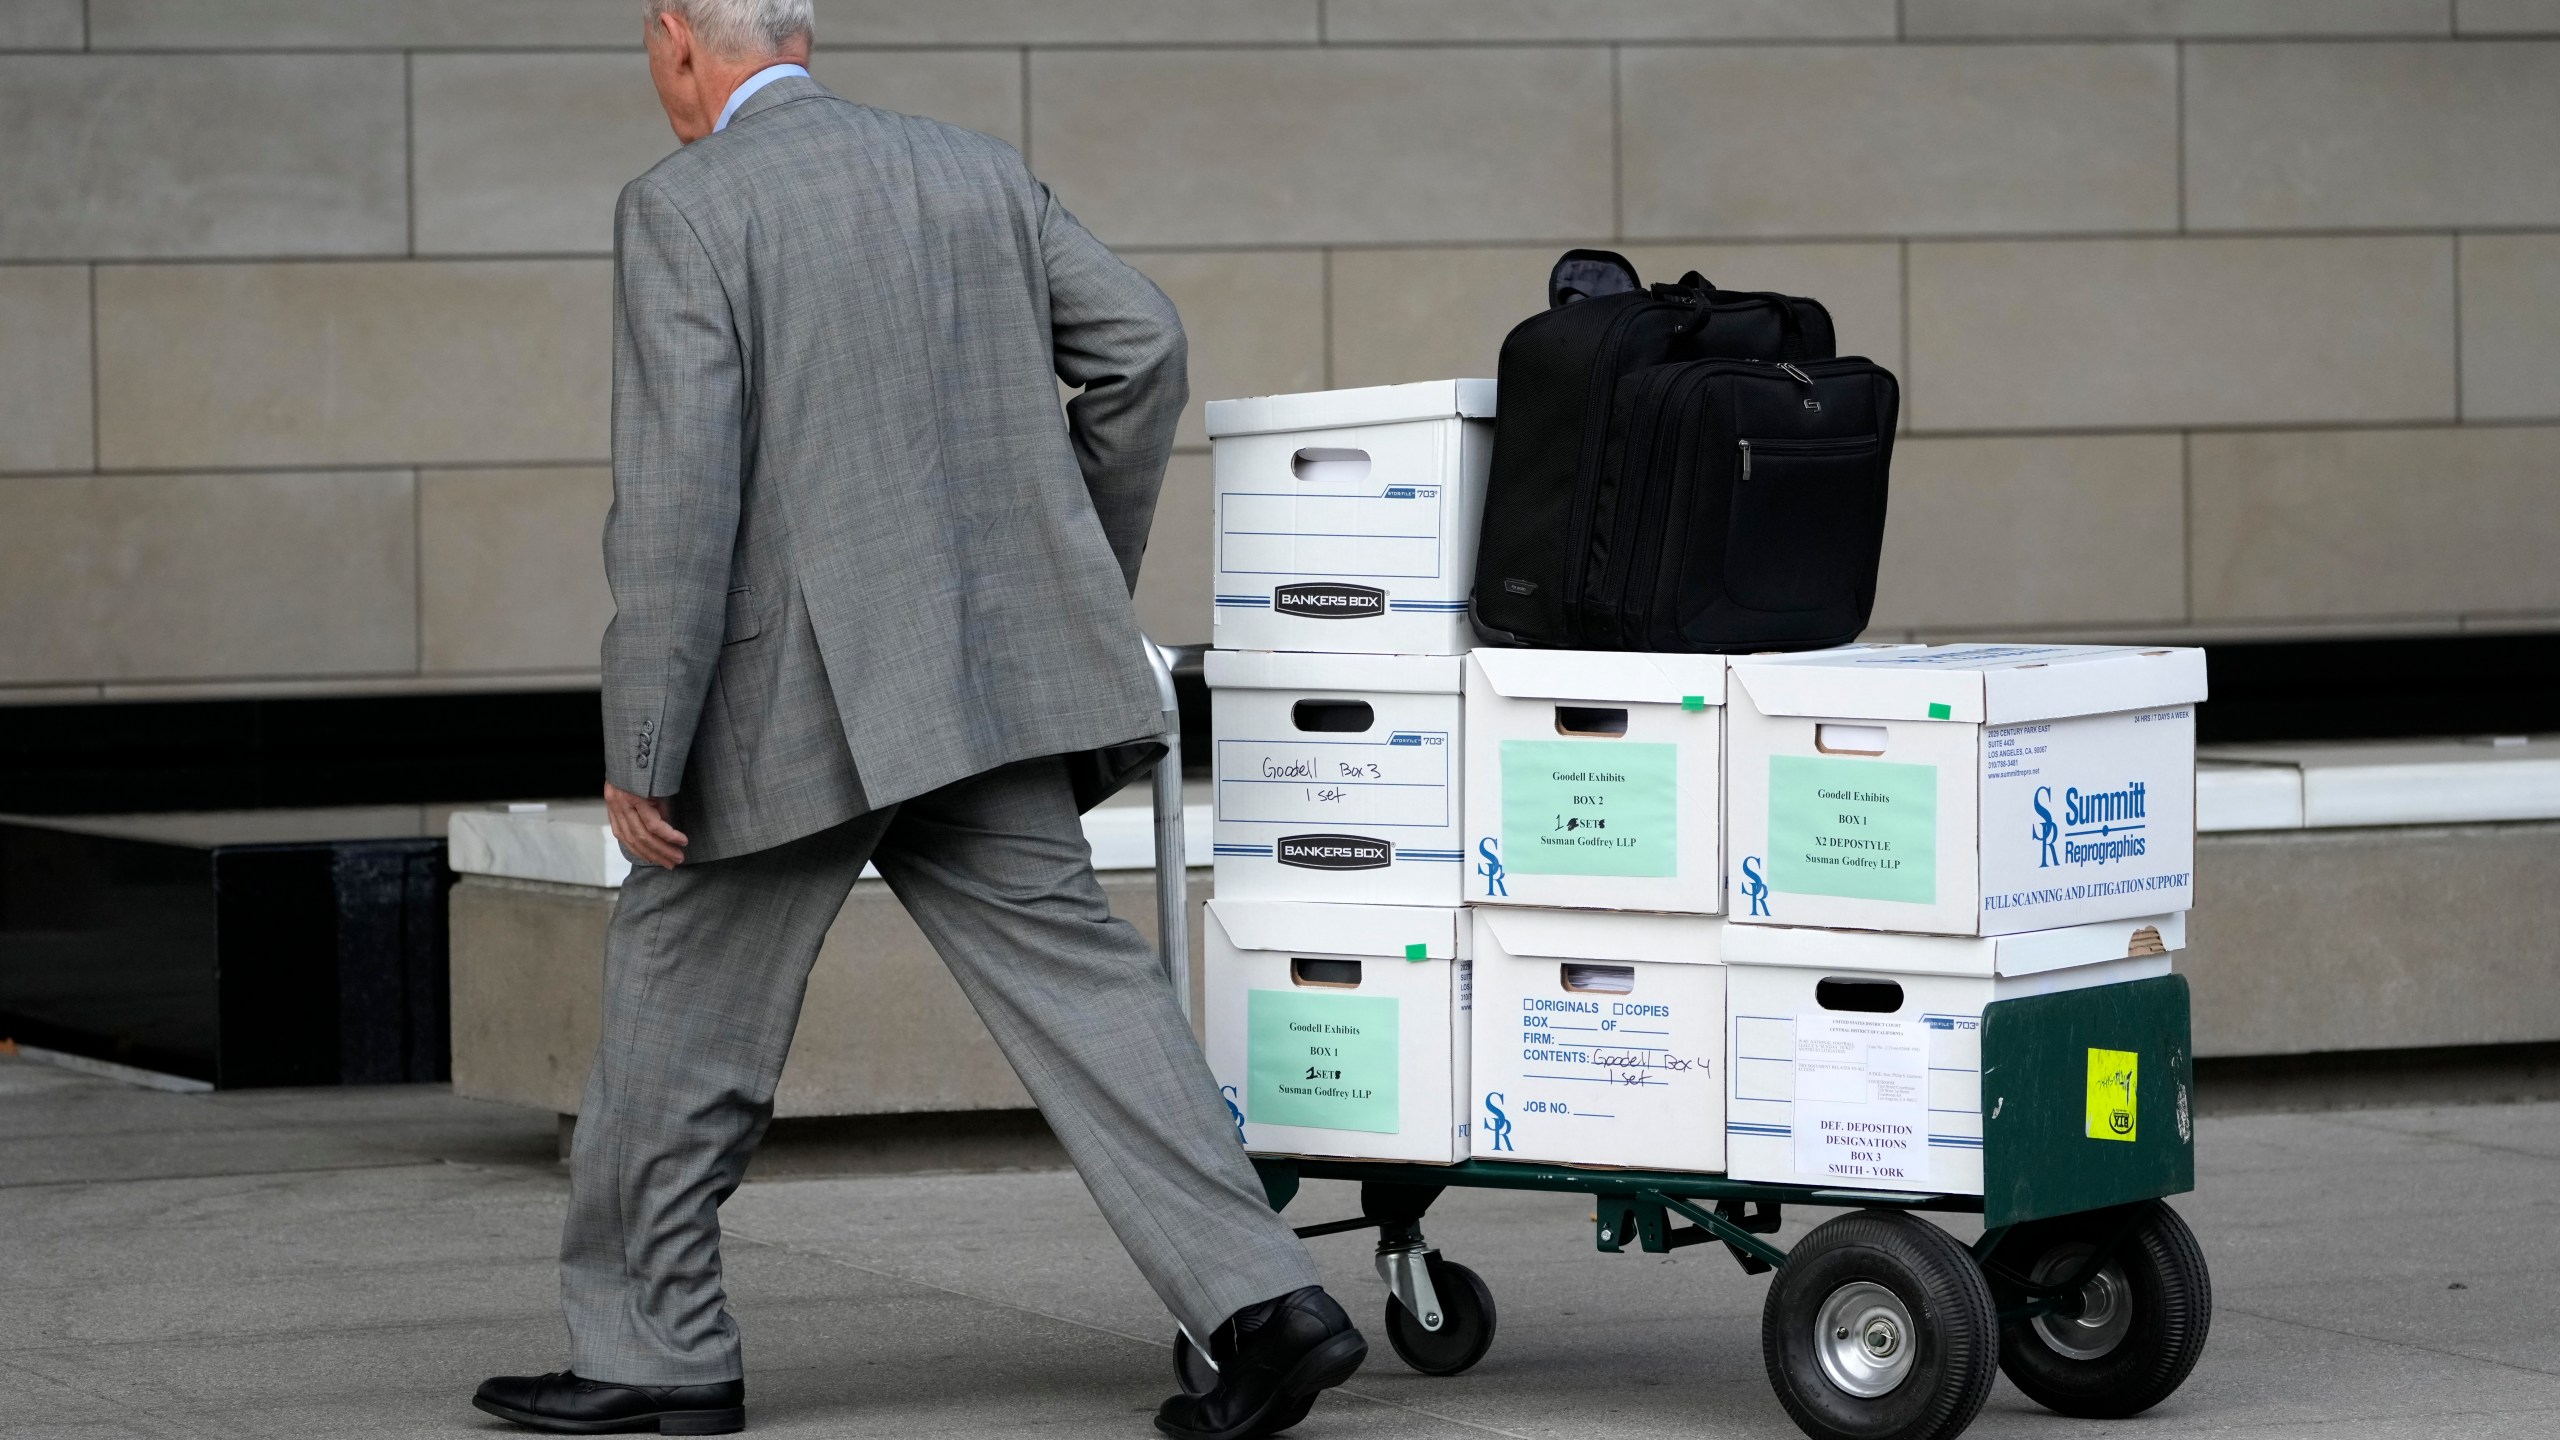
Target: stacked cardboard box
[(1916, 832), (1337, 976)]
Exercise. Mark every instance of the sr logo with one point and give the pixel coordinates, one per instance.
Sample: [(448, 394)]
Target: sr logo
[(1330, 600), (1335, 852)]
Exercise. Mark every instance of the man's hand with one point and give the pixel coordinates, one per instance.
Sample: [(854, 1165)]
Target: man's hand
[(640, 823)]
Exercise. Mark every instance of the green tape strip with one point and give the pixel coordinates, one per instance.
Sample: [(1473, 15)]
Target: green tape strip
[(1417, 951), (1941, 712), (1693, 702)]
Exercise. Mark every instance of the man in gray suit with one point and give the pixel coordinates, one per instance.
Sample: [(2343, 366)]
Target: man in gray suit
[(872, 604)]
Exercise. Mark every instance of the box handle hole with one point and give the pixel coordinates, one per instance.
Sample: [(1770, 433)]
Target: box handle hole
[(1599, 979), (1330, 467), (1871, 997), (1849, 739), (1331, 974), (1590, 720), (1346, 717)]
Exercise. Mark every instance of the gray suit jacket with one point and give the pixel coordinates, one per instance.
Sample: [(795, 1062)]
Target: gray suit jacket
[(855, 552)]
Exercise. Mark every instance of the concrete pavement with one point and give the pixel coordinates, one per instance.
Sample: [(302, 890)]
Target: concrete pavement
[(338, 1263)]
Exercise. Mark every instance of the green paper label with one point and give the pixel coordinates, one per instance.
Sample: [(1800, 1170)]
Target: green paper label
[(1590, 807), (1417, 951), (1327, 1062), (1858, 828), (1940, 712), (1693, 703)]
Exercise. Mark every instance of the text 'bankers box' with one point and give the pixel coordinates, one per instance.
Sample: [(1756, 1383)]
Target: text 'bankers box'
[(1961, 789), (1346, 519), (1340, 1030)]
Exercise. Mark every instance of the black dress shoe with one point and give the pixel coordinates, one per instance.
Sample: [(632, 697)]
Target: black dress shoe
[(1273, 1359), (568, 1404)]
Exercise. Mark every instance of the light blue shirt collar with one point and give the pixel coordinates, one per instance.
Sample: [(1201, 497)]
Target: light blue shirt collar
[(751, 85)]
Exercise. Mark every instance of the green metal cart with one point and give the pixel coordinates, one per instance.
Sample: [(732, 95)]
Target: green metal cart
[(2086, 1288)]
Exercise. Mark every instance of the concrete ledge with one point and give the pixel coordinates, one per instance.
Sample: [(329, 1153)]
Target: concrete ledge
[(884, 1031), (2375, 939)]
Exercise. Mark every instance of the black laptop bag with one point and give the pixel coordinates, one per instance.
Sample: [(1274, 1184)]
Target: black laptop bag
[(1561, 376), (1741, 507)]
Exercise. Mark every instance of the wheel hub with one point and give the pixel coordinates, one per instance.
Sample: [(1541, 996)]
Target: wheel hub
[(1863, 1338), (2105, 1305)]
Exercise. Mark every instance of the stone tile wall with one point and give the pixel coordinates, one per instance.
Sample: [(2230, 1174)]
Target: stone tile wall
[(2215, 317)]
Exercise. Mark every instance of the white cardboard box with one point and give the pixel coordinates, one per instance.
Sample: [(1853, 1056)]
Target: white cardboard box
[(1346, 519), (1337, 777), (1855, 1059), (1961, 789), (1599, 1039), (1340, 1029), (1594, 780)]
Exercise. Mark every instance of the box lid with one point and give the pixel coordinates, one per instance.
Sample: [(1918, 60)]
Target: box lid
[(1313, 670), (1605, 935), (1626, 677), (1970, 684), (2030, 953), (1370, 405), (1310, 928)]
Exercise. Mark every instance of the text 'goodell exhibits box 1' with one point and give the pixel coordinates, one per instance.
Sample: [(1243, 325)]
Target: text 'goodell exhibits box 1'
[(1961, 789), (1346, 519), (1340, 1030)]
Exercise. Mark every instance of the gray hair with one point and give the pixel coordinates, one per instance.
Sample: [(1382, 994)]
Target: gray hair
[(742, 28)]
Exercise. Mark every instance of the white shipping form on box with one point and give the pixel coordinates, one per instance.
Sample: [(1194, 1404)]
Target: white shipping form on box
[(1855, 1059), (1347, 519), (1599, 1039), (1337, 777), (1340, 1030), (1961, 789), (1594, 779)]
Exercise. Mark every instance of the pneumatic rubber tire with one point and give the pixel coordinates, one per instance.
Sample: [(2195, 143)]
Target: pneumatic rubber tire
[(1879, 1327), (2144, 1318), (1466, 1322)]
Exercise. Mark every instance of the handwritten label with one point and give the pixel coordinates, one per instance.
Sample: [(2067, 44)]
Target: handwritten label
[(1401, 779), (1864, 829), (1590, 807), (1327, 1062), (1862, 1098)]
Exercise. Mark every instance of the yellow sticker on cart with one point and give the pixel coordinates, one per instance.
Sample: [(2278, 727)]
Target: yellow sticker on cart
[(2111, 1083)]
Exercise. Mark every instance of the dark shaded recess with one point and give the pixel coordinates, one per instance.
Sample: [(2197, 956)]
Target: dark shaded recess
[(2381, 689), (259, 754), (315, 963)]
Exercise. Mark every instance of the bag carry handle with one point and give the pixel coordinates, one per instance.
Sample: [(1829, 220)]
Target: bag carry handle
[(1790, 324), (1588, 275)]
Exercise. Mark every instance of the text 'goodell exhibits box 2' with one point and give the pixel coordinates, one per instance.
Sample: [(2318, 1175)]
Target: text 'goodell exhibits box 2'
[(1593, 780), (1961, 789), (1346, 519)]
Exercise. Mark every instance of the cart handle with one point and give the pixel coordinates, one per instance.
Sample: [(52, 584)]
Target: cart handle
[(1173, 874)]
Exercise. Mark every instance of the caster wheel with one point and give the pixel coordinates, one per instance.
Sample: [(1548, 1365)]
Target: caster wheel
[(1466, 1322), (1879, 1327), (1192, 1368), (2137, 1327)]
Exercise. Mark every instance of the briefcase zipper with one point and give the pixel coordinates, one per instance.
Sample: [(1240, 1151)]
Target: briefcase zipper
[(1803, 447)]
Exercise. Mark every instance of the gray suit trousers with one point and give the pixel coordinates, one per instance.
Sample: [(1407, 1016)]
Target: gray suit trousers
[(705, 967)]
